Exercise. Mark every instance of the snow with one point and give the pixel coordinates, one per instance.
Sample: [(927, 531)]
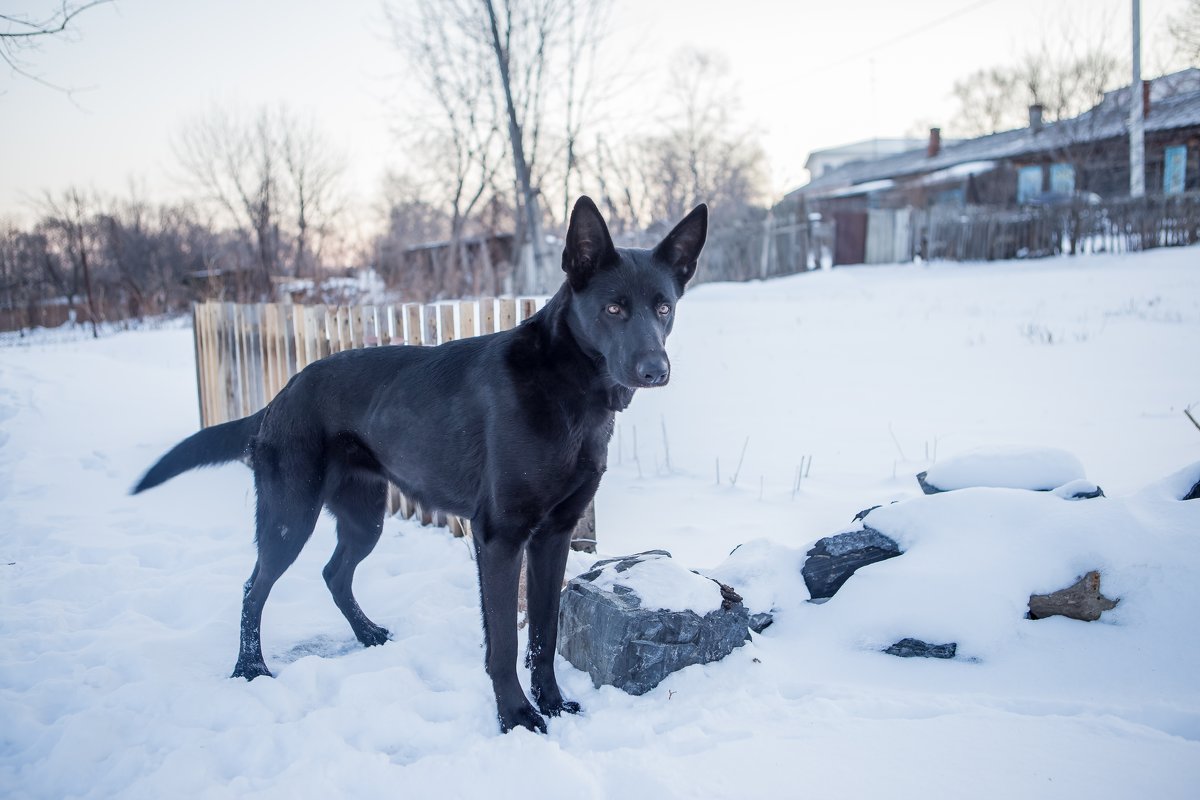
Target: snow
[(663, 584), (118, 614), (1037, 468)]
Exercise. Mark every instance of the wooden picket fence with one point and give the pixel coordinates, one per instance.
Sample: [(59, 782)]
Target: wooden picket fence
[(246, 353)]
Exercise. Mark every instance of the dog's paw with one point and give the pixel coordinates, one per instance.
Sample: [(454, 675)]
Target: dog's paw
[(373, 635), (552, 704), (559, 708), (524, 717), (251, 670)]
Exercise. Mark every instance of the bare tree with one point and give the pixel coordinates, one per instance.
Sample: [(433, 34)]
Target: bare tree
[(703, 155), (461, 141), (68, 216), (1185, 30), (516, 51), (22, 33), (1065, 80), (274, 178), (314, 173)]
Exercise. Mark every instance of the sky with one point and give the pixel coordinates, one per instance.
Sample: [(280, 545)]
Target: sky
[(809, 75)]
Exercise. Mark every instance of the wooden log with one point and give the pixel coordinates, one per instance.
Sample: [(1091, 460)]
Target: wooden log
[(1082, 600), (529, 307)]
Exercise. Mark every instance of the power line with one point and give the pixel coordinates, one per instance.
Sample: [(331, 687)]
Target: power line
[(906, 35)]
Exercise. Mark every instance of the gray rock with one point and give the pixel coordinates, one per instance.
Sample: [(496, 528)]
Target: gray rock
[(915, 648), (860, 516), (611, 637), (926, 487), (1081, 600), (761, 621), (832, 560)]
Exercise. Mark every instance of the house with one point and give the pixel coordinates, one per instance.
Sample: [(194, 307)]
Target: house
[(1042, 162), (820, 162), (1081, 160)]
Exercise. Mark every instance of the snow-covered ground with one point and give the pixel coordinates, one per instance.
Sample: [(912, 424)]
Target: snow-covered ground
[(119, 614)]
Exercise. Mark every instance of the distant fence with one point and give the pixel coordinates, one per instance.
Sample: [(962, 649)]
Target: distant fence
[(245, 354), (1110, 226)]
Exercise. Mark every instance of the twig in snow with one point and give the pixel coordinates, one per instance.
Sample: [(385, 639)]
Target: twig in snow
[(636, 458), (1193, 419), (666, 444), (733, 480), (897, 441)]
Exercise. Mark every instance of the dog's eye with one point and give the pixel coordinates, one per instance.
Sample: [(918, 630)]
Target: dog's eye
[(664, 309), (613, 308)]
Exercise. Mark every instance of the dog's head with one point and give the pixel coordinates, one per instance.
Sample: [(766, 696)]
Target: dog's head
[(623, 299)]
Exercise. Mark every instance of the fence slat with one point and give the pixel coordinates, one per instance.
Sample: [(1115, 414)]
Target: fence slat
[(466, 319), (446, 323), (507, 318), (429, 331), (487, 315), (412, 323), (370, 327)]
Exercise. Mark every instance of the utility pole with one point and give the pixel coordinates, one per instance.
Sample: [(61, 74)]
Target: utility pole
[(1137, 140)]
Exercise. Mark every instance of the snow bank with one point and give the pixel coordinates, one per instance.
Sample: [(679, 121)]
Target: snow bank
[(1036, 468)]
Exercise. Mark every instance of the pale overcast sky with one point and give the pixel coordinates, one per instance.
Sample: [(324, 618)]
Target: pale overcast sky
[(811, 75)]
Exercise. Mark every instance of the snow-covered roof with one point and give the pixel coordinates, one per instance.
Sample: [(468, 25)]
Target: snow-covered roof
[(1105, 121)]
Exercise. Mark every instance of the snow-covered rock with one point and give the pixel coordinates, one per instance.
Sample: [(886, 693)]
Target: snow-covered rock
[(832, 560), (915, 648), (630, 622), (1036, 468), (1081, 489)]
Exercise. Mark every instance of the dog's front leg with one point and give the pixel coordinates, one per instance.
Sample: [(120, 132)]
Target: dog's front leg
[(499, 561), (547, 563)]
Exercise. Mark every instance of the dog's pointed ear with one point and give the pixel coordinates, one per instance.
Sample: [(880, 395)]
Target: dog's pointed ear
[(680, 250), (589, 246)]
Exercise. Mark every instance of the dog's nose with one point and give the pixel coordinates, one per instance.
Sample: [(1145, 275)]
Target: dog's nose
[(654, 370)]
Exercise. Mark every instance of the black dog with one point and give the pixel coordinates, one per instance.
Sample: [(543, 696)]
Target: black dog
[(509, 430)]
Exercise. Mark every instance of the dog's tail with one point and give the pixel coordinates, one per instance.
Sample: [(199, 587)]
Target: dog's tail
[(219, 444)]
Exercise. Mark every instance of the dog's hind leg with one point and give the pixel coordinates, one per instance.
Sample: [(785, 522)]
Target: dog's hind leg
[(358, 503), (286, 513), (498, 558)]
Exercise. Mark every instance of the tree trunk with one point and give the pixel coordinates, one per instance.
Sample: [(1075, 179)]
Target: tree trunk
[(528, 195)]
